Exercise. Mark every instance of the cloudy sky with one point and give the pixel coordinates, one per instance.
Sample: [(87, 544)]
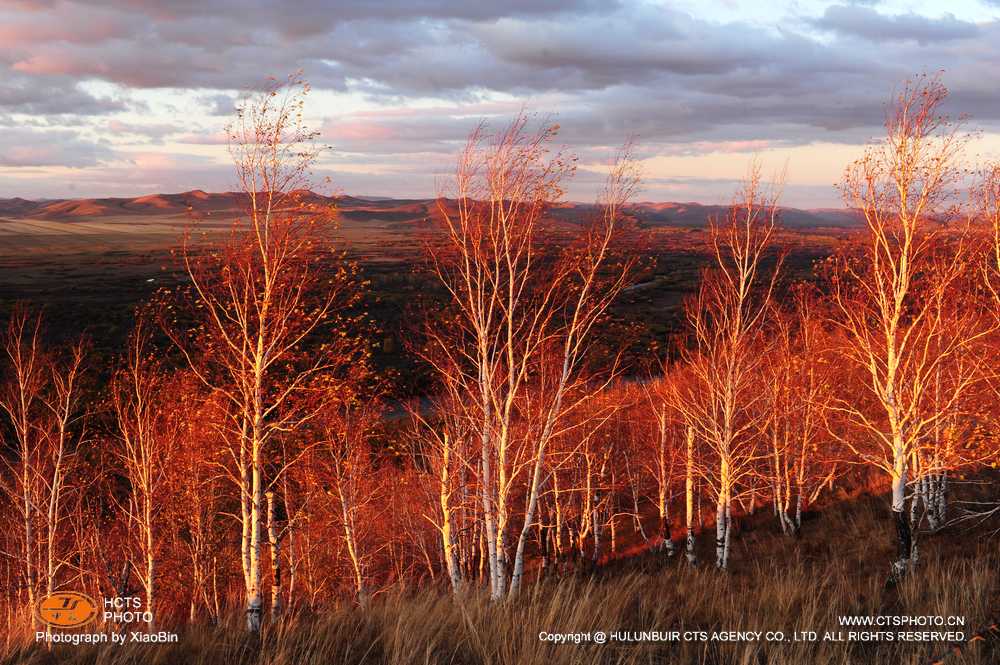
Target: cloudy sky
[(128, 97)]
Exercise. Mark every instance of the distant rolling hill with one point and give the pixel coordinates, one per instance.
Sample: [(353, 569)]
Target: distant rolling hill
[(697, 214), (229, 205)]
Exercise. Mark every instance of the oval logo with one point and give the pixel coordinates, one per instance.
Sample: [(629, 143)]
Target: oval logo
[(67, 609)]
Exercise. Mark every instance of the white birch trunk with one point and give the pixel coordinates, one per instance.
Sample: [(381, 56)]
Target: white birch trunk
[(275, 544), (798, 508), (903, 534), (448, 542), (663, 491), (150, 564), (53, 517), (254, 600), (350, 539), (729, 532), (245, 501), (596, 527), (489, 520), (720, 532), (800, 482), (692, 556), (30, 574), (722, 513)]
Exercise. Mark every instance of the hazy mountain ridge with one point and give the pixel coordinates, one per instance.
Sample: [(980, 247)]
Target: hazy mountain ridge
[(228, 204)]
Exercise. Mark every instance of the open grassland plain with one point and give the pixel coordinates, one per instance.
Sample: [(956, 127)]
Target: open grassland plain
[(95, 267), (95, 261)]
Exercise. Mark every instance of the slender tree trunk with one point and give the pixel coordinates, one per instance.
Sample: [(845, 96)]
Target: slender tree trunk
[(246, 499), (483, 555), (596, 528), (352, 546), (198, 587), (798, 508), (529, 517), (254, 600), (290, 537), (150, 564), (663, 491), (699, 513), (903, 535), (275, 543), (941, 499), (53, 518), (541, 537), (722, 517), (692, 556), (777, 484), (800, 481), (558, 535), (930, 500), (782, 487), (720, 531), (30, 574), (613, 527), (466, 538), (489, 521), (448, 542), (729, 532), (919, 496)]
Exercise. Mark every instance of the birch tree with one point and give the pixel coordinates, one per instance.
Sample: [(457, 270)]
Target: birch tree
[(271, 308), (890, 301), (197, 491), (526, 307), (21, 401), (681, 455), (798, 384), (64, 434), (689, 489), (357, 496), (660, 458), (147, 436), (719, 400), (41, 399), (441, 445)]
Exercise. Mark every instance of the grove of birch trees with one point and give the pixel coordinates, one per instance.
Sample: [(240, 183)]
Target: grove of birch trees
[(243, 453)]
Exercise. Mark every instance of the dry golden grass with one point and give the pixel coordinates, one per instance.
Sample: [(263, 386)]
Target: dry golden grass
[(837, 568)]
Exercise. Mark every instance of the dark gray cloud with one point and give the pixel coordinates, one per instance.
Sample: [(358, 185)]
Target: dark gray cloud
[(299, 18), (607, 69), (867, 23), (25, 147), (396, 49), (219, 104), (44, 96), (150, 132)]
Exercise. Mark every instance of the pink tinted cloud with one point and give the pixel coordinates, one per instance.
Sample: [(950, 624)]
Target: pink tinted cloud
[(49, 63), (356, 131), (202, 138), (153, 161), (74, 25), (34, 155)]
